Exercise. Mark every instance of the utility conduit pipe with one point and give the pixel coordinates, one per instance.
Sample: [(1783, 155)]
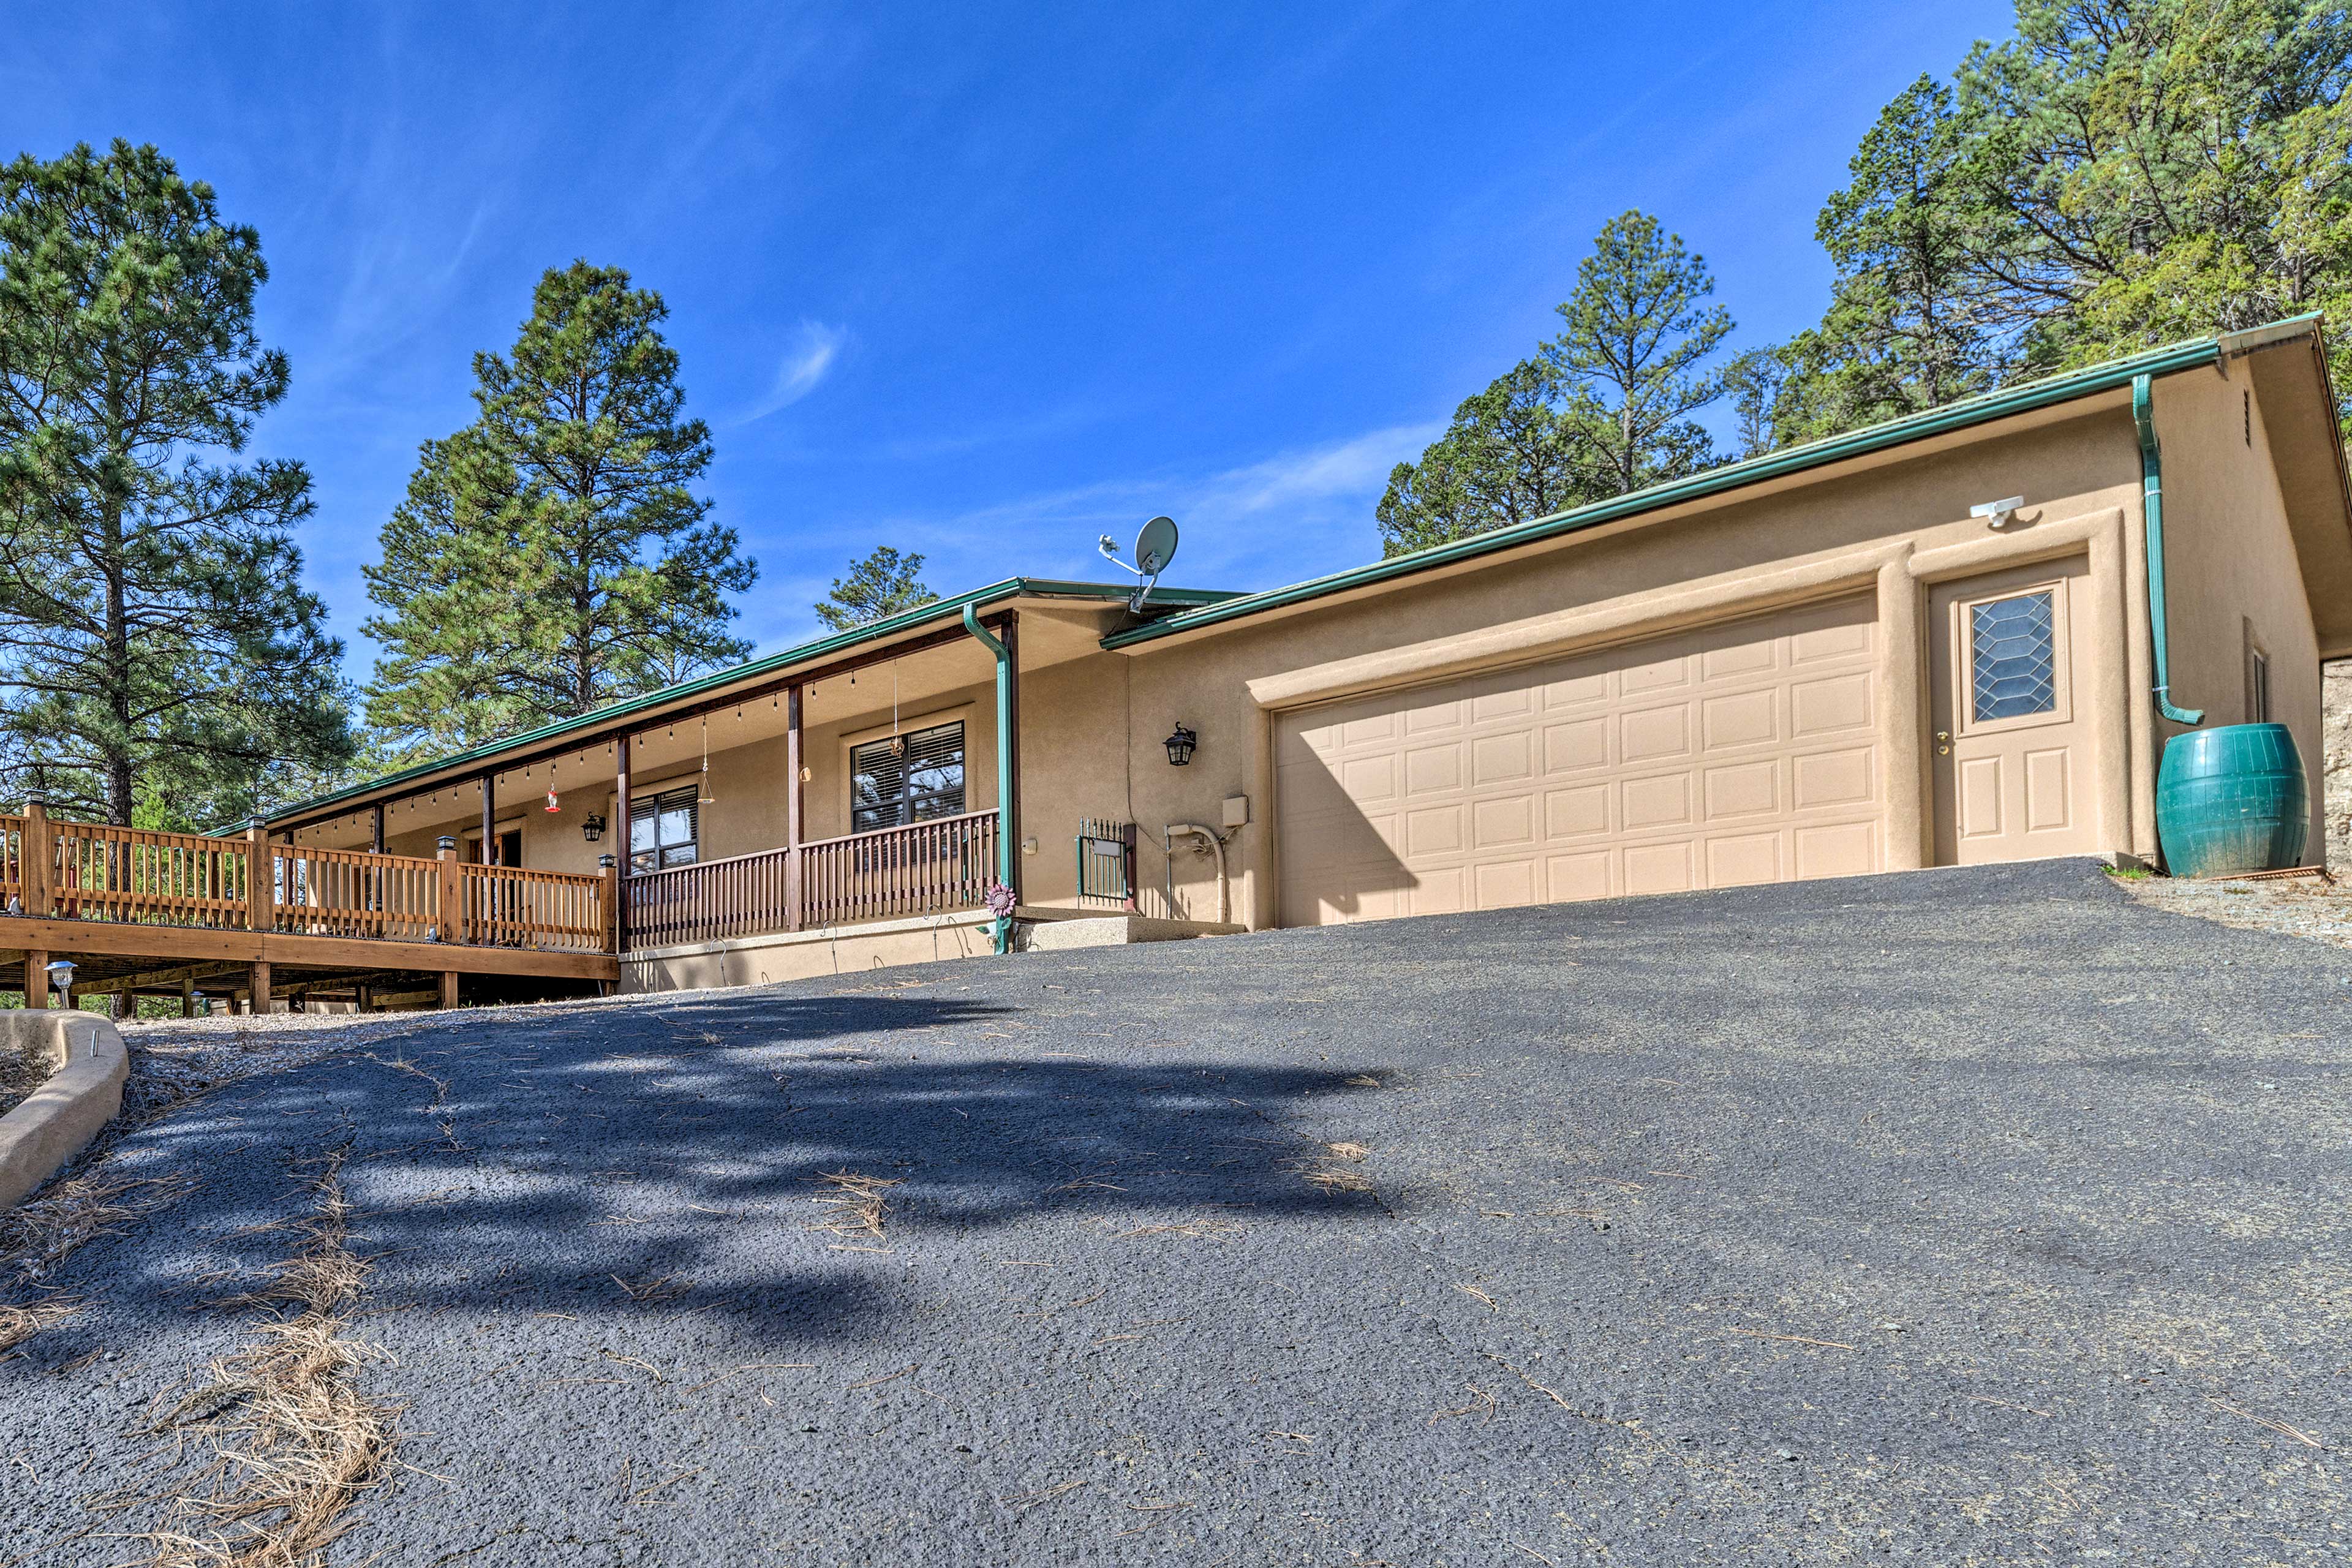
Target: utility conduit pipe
[(1216, 842), (1002, 932), (2151, 491)]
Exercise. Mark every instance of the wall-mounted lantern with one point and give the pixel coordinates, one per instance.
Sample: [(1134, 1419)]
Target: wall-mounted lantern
[(591, 828), (1181, 745)]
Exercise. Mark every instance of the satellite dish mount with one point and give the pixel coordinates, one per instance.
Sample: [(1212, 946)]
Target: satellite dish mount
[(1155, 547)]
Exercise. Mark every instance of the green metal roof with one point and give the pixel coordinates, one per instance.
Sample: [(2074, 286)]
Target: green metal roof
[(2020, 399), (881, 630)]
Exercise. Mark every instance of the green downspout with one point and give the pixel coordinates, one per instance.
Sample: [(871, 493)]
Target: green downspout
[(2151, 491), (1004, 928)]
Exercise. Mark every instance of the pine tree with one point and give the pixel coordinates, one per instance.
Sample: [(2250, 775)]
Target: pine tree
[(882, 584), (553, 558), (1516, 451), (161, 658), (1635, 337)]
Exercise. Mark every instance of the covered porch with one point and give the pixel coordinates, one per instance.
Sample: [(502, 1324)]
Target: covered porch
[(850, 803)]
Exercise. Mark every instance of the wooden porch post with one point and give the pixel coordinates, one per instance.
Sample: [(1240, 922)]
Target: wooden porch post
[(375, 840), (792, 807), (260, 984), (38, 863), (451, 926), (489, 819), (260, 885), (1010, 752), (37, 978), (449, 988), (620, 830)]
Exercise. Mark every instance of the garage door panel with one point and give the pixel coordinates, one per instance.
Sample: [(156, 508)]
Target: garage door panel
[(1661, 802), (1576, 746), (1570, 879), (1726, 755), (1827, 706), (1748, 789), (1660, 867)]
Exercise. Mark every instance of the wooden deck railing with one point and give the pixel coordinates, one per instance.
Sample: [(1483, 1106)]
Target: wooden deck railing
[(350, 892), (93, 872), (745, 895), (929, 867), (514, 906)]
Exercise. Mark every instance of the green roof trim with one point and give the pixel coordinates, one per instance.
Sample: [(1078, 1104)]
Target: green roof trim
[(921, 616), (2023, 398)]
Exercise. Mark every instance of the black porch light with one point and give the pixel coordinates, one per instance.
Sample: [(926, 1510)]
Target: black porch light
[(1180, 746), (591, 828)]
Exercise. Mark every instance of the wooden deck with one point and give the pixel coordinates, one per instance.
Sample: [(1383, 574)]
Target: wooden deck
[(147, 911)]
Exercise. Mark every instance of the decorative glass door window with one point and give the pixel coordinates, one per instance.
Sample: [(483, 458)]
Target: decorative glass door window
[(903, 779), (662, 830), (2013, 656)]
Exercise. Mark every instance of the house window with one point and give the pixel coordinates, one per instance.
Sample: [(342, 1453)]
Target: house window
[(662, 830), (915, 777), (2013, 656), (2258, 687)]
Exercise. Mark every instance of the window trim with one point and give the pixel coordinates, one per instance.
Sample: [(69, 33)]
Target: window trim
[(966, 713), (650, 797), (2062, 654), (963, 761), (2261, 672)]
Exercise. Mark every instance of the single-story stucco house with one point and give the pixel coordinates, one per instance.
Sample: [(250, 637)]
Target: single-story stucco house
[(1826, 661)]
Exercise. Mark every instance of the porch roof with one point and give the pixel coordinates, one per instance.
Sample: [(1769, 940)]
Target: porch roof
[(651, 707)]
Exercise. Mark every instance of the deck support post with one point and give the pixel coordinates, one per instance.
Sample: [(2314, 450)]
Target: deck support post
[(260, 882), (37, 979), (620, 830), (451, 927), (187, 998), (449, 988), (259, 981), (793, 793), (40, 866)]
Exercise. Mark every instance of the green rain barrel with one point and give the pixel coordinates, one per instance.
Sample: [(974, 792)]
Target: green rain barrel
[(2232, 799)]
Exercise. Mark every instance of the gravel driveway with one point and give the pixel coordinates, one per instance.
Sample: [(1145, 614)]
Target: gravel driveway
[(1964, 1217)]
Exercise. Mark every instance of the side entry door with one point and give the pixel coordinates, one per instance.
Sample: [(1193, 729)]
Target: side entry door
[(2012, 761)]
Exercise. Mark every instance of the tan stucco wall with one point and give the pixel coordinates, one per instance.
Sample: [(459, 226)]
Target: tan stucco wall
[(1898, 526), (804, 955), (2230, 565)]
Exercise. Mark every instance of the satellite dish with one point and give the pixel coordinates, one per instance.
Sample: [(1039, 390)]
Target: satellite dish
[(1155, 546)]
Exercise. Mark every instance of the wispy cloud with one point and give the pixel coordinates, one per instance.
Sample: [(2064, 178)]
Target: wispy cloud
[(1294, 515), (812, 355)]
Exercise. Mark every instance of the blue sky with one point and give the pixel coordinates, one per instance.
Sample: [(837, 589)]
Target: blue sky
[(980, 282)]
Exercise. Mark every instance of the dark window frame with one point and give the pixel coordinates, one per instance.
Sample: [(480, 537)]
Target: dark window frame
[(656, 808), (896, 781)]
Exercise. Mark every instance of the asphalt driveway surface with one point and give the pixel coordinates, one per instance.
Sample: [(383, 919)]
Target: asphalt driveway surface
[(1968, 1217)]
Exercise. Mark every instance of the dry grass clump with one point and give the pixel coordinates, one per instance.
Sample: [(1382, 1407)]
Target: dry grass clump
[(296, 1443), (35, 1237), (20, 1320), (1335, 1169), (856, 1202)]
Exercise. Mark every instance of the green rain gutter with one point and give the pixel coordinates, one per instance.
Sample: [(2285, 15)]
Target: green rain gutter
[(1002, 931), (2196, 353), (2151, 493)]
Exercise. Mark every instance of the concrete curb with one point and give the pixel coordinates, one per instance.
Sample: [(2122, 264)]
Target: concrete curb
[(58, 1118)]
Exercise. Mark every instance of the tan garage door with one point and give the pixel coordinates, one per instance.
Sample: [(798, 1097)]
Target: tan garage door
[(1742, 753)]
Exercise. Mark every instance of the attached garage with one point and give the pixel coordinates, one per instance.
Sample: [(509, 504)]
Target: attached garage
[(1743, 751)]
